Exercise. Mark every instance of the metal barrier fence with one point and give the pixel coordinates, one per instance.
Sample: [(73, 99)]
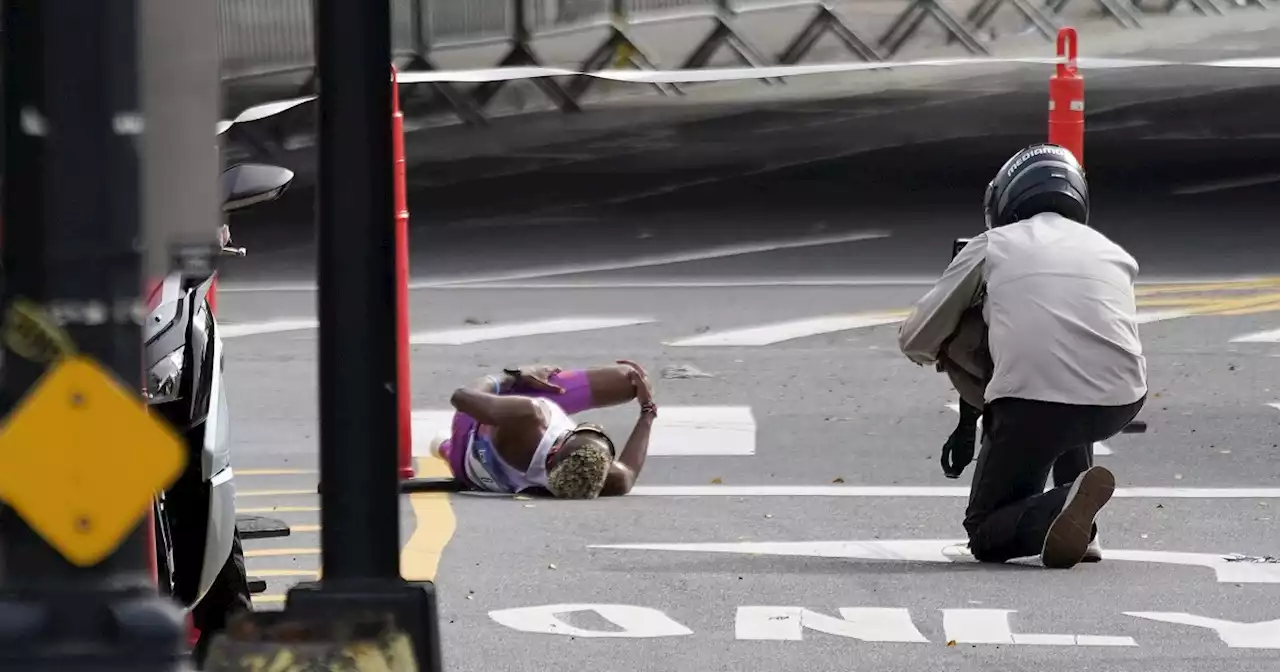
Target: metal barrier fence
[(266, 38)]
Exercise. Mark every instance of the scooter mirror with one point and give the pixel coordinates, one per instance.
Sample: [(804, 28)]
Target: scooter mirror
[(247, 184)]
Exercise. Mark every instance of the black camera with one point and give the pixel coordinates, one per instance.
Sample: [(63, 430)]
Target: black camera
[(957, 245)]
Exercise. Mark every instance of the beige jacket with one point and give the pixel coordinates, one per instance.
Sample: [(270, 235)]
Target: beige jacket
[(1058, 303)]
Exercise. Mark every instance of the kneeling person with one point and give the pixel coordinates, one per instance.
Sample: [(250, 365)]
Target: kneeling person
[(513, 433), (1067, 368)]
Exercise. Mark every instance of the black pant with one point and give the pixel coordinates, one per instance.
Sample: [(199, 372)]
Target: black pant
[(1023, 440)]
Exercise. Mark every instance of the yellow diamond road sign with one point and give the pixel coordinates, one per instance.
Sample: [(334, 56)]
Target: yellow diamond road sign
[(81, 458)]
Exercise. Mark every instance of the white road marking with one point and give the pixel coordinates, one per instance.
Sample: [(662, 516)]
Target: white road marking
[(1272, 336), (925, 491), (934, 551), (786, 331), (1099, 448), (493, 332), (679, 257), (1275, 405), (693, 283), (679, 431), (1262, 635), (868, 624), (236, 330), (1223, 185), (429, 427), (633, 622), (457, 283), (991, 626), (703, 430)]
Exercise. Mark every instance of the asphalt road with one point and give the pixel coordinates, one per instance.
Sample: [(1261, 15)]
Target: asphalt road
[(793, 515)]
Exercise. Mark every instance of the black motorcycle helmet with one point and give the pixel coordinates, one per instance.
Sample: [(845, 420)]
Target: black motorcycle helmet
[(1041, 178)]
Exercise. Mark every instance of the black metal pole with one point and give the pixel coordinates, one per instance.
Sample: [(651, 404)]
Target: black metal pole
[(359, 513), (359, 500), (71, 245)]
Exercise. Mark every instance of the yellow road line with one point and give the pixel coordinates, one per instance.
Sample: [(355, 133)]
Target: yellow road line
[(303, 529), (1189, 288), (278, 509), (268, 599), (1251, 310), (274, 493), (275, 472), (1221, 307), (279, 552), (1178, 302), (434, 526)]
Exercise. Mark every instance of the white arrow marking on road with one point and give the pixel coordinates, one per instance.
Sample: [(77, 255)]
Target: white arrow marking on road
[(477, 334), (1272, 336), (785, 331), (1099, 448), (679, 431), (236, 330), (868, 624), (1262, 635), (991, 626), (935, 551), (635, 622)]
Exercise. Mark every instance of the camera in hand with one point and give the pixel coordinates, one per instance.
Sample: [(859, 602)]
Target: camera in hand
[(957, 245)]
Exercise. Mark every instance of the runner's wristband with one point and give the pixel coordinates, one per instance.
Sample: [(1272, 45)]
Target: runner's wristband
[(649, 409)]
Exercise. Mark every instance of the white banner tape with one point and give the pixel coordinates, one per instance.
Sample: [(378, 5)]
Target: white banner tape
[(738, 74)]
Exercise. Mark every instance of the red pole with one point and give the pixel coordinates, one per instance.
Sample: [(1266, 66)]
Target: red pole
[(404, 406), (1066, 98), (149, 290)]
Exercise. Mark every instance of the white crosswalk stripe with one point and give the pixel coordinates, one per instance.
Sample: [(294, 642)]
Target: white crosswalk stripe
[(785, 331), (479, 333), (778, 332), (679, 431), (1272, 336), (237, 330), (747, 335)]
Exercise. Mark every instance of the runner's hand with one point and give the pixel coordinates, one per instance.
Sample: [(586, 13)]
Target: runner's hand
[(640, 380), (538, 378)]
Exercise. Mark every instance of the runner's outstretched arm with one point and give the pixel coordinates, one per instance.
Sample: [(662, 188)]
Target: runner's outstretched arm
[(626, 469)]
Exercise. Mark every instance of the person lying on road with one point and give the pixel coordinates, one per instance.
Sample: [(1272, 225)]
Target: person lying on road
[(513, 433)]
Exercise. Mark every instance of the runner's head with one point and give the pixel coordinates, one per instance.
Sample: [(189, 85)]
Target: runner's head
[(578, 467), (1041, 178)]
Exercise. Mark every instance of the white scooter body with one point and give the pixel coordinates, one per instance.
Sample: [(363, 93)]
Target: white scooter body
[(166, 334), (185, 364)]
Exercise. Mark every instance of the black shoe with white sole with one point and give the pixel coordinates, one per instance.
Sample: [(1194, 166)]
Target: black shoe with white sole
[(1069, 534)]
